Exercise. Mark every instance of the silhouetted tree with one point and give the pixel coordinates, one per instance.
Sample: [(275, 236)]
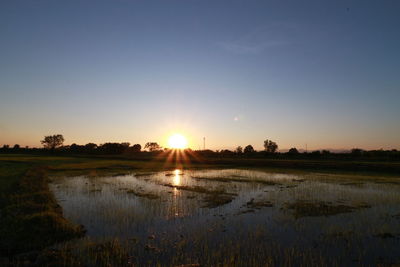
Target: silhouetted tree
[(16, 147), (239, 150), (136, 148), (113, 148), (293, 150), (325, 152), (226, 152), (357, 152), (125, 144), (249, 149), (53, 141), (152, 146), (74, 148), (316, 153), (270, 146), (90, 147)]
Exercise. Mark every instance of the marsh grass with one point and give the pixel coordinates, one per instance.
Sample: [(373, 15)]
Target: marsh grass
[(236, 179), (195, 220), (321, 208), (118, 253), (254, 205), (214, 197), (140, 193), (258, 204), (145, 174)]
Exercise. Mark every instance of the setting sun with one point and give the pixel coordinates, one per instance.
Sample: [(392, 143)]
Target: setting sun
[(177, 141)]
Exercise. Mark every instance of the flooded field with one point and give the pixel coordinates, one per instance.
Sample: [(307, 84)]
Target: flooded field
[(235, 218)]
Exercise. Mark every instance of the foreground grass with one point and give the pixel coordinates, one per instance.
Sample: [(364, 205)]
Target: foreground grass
[(31, 219)]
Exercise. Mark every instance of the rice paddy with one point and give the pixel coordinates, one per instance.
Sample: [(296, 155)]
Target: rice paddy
[(230, 217)]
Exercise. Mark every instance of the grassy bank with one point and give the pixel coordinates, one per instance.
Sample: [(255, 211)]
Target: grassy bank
[(31, 219)]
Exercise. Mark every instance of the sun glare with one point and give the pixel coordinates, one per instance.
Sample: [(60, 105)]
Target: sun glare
[(177, 141)]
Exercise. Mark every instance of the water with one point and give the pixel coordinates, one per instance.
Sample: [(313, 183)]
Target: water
[(242, 217)]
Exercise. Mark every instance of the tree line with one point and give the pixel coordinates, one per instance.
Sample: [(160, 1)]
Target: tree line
[(55, 143)]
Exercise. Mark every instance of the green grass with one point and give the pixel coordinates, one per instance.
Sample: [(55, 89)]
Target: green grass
[(31, 217), (10, 173), (103, 164)]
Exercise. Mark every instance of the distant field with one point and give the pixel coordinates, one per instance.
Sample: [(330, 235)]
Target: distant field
[(88, 163)]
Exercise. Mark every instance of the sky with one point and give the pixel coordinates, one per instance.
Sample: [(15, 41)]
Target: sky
[(325, 74)]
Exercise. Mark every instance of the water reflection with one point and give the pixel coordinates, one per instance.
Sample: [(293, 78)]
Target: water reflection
[(176, 180)]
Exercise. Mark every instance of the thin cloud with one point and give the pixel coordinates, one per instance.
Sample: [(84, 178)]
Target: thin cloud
[(261, 39), (249, 48)]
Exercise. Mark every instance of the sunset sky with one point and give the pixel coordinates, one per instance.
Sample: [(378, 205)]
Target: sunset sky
[(321, 73)]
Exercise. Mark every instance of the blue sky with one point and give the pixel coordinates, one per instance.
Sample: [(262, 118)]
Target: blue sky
[(322, 73)]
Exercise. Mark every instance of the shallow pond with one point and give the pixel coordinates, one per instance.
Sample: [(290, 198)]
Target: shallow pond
[(239, 217)]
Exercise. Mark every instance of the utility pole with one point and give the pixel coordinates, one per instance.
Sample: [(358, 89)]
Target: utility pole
[(204, 143)]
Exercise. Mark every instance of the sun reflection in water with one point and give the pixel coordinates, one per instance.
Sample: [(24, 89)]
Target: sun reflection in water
[(176, 180)]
